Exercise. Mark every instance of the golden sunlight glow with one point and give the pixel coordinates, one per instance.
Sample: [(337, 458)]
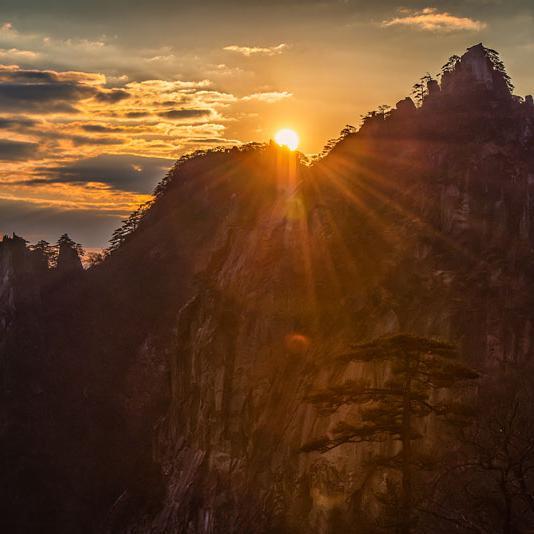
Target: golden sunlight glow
[(288, 138)]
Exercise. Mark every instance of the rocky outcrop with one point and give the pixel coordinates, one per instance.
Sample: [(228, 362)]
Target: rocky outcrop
[(478, 70)]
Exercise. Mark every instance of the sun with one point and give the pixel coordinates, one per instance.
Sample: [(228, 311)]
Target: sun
[(288, 138)]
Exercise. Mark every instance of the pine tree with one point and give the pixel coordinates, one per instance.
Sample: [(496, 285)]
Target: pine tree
[(66, 241), (498, 65), (331, 143), (450, 65), (419, 366), (69, 253), (420, 89), (128, 226)]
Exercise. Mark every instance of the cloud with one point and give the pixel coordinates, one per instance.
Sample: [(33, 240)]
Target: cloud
[(95, 141), (13, 73), (45, 98), (122, 172), (430, 19), (45, 91), (17, 74), (98, 128), (269, 97), (170, 57), (16, 54), (16, 150), (257, 50), (136, 114), (212, 140), (53, 106), (178, 114), (16, 122), (110, 97)]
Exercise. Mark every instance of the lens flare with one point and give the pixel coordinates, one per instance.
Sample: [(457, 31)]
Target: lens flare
[(297, 343)]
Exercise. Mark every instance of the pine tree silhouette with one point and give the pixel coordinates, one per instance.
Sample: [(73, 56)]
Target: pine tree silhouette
[(419, 366)]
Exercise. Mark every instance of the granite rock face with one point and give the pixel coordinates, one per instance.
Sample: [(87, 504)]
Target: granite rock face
[(186, 366)]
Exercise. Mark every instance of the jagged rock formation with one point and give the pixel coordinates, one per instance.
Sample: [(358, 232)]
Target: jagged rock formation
[(170, 378), (479, 69)]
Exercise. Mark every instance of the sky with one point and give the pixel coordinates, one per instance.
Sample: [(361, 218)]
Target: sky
[(98, 99)]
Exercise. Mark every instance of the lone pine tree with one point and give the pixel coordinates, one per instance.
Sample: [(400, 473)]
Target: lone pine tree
[(419, 366), (69, 254)]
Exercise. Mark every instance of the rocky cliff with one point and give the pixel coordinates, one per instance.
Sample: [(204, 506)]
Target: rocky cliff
[(170, 378)]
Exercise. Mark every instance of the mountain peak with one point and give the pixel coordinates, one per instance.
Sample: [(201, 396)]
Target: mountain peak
[(478, 47), (479, 69)]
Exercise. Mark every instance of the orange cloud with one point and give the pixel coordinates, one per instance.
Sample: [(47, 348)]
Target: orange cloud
[(257, 50), (269, 97), (430, 19)]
